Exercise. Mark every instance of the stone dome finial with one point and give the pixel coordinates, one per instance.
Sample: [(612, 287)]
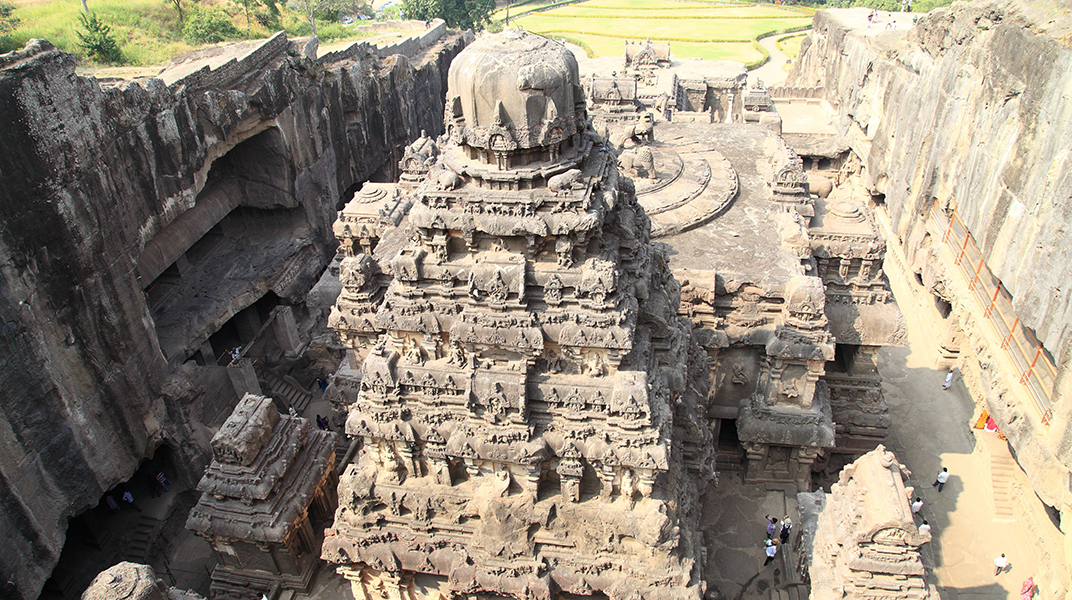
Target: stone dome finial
[(514, 91)]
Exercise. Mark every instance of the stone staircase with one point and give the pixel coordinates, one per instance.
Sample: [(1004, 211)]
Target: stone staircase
[(285, 391), (1002, 471), (137, 544)]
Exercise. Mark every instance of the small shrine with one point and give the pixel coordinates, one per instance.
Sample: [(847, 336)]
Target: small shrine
[(266, 498)]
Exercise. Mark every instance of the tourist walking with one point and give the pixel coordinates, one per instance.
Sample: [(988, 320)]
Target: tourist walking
[(999, 564), (771, 526), (948, 380), (772, 550), (925, 527), (787, 528), (163, 480), (917, 505), (290, 409), (1027, 591), (943, 476), (129, 499)]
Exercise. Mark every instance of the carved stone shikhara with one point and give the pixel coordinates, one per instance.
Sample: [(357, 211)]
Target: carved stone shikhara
[(270, 490), (529, 417), (867, 543)]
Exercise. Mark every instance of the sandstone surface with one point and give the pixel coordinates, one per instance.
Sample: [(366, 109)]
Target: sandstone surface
[(95, 178)]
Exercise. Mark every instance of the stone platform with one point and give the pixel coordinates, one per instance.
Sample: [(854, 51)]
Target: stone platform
[(695, 183)]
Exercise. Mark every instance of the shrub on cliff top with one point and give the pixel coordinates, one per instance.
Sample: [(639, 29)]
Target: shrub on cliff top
[(96, 39), (8, 23), (209, 26)]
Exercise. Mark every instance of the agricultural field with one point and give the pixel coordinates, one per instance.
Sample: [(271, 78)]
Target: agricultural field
[(696, 29)]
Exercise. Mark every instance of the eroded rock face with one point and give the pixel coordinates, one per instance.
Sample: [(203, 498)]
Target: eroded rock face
[(92, 175), (951, 114), (953, 110), (131, 581), (530, 414)]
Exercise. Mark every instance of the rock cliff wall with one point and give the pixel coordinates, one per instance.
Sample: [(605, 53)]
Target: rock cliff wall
[(89, 174), (969, 107)]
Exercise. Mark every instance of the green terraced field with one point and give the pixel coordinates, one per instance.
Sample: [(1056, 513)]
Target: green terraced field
[(711, 30)]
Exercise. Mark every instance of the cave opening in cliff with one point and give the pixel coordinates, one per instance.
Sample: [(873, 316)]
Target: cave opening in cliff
[(225, 272), (728, 445), (943, 306), (101, 536)]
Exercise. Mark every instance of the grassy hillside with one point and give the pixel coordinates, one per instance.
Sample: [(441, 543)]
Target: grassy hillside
[(147, 31)]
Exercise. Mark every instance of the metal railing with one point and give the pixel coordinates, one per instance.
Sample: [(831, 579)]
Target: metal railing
[(1035, 365)]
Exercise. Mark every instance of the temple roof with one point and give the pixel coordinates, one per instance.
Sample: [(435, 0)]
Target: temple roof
[(261, 499)]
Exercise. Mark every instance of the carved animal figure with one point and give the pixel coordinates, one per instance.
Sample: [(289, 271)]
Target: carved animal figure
[(638, 163), (448, 180), (638, 133), (563, 182), (820, 185)]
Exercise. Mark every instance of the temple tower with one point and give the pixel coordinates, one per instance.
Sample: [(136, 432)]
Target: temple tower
[(529, 414)]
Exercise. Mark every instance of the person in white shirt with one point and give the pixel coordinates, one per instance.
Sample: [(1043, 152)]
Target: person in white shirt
[(943, 476), (999, 564), (772, 550), (918, 504), (925, 527), (948, 380)]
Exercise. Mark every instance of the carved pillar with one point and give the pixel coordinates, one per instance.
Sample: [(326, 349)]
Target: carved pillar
[(606, 477), (645, 482), (438, 464), (569, 473), (805, 458), (286, 331), (754, 455), (243, 378), (208, 354), (531, 479)]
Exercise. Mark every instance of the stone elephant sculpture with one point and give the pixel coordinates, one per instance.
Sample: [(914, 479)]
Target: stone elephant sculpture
[(638, 163)]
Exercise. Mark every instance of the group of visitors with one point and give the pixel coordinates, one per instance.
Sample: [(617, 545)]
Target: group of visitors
[(784, 529), (122, 498)]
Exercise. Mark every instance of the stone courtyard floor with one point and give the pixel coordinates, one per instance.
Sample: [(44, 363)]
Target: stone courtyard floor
[(932, 428)]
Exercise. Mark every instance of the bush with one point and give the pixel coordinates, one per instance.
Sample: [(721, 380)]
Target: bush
[(209, 26), (8, 23), (97, 39)]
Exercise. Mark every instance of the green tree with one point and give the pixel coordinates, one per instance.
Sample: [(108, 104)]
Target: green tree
[(459, 14), (209, 26), (179, 8), (97, 40), (269, 17), (329, 9), (245, 7)]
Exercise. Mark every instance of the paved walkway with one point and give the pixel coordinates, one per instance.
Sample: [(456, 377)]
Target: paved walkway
[(774, 71), (931, 429)]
